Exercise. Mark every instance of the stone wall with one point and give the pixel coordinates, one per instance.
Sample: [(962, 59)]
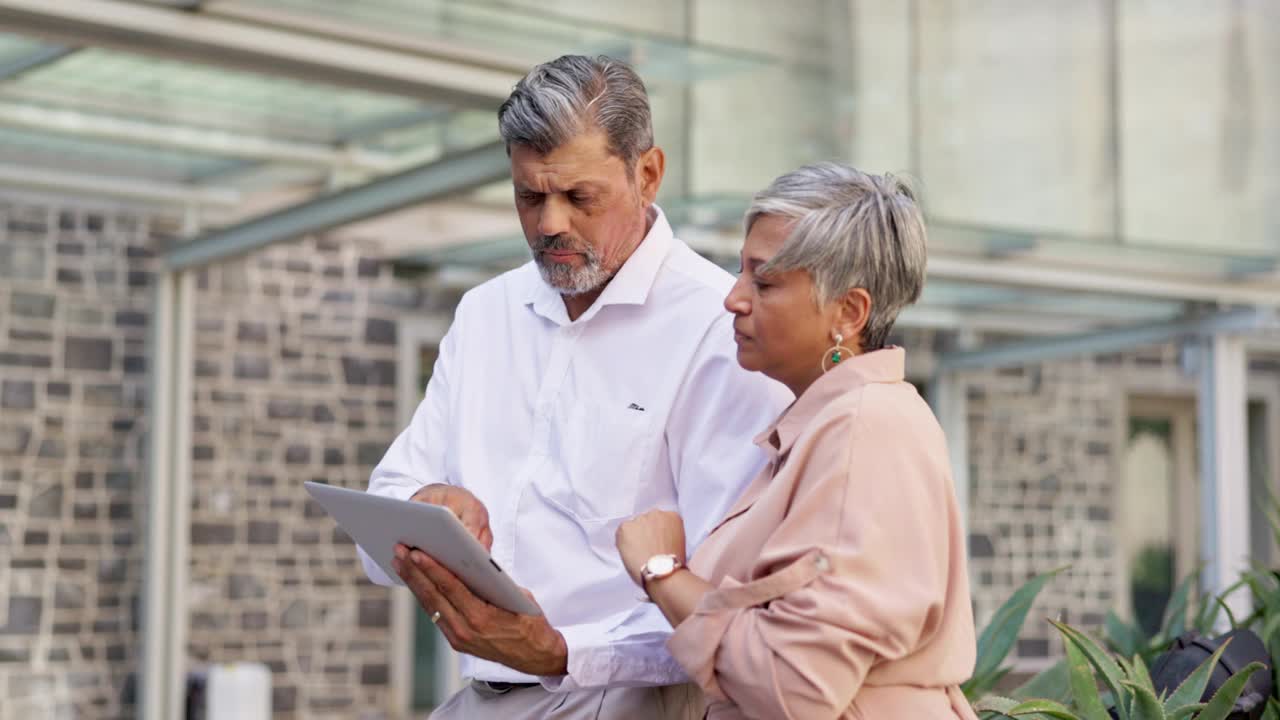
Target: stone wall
[(75, 300), (295, 381), (1047, 446), (295, 367), (1043, 465)]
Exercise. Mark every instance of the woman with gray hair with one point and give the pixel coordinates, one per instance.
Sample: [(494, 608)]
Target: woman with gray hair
[(836, 587)]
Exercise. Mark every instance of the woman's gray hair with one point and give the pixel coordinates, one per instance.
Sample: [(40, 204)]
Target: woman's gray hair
[(574, 94), (849, 230)]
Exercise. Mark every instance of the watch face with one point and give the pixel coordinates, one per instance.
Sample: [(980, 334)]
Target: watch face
[(662, 565)]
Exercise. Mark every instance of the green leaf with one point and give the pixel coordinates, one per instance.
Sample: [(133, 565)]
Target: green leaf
[(1175, 615), (1272, 507), (1053, 683), (1084, 688), (1263, 585), (977, 687), (1126, 670), (1145, 704), (1231, 617), (1001, 633), (1207, 617), (1192, 688), (1222, 702), (1102, 662), (1273, 710), (1121, 636), (1185, 711), (1270, 627), (995, 703), (1043, 707), (1141, 675)]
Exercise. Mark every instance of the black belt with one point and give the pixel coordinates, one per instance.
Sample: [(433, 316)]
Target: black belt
[(493, 687)]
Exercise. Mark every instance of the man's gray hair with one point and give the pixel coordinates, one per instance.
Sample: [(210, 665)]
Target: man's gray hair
[(574, 94), (850, 230)]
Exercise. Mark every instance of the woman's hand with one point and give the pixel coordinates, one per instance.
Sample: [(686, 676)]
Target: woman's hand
[(657, 532)]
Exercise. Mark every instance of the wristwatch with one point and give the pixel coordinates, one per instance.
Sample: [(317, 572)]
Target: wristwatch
[(658, 567)]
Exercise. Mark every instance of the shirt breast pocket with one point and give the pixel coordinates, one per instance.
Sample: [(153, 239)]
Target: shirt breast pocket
[(605, 451)]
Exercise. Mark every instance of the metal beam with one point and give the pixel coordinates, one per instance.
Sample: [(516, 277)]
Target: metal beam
[(190, 139), (449, 175), (1107, 341), (1038, 274), (1046, 275), (151, 191), (37, 59), (940, 317), (198, 38)]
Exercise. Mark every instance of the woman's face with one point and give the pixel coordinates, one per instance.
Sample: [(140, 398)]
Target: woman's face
[(780, 329)]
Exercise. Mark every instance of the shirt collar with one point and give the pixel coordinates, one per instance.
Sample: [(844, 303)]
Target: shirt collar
[(629, 286), (880, 366)]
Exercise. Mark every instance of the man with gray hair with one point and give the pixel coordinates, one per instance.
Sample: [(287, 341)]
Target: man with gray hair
[(596, 382)]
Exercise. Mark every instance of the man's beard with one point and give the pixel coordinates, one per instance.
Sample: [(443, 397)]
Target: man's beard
[(564, 278)]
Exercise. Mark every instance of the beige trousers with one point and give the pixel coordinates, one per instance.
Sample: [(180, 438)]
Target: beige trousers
[(476, 701)]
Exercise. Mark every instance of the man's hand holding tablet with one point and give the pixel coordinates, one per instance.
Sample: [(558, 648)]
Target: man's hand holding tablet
[(515, 633), (470, 511)]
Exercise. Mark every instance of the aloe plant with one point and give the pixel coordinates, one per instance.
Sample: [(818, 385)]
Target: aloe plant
[(998, 638), (1129, 687), (1127, 639)]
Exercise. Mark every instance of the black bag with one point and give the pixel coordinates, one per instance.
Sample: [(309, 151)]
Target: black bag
[(1189, 651)]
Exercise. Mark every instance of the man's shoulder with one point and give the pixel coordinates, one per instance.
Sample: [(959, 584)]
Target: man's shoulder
[(685, 271)]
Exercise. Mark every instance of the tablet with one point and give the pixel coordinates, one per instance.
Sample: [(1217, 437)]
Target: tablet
[(377, 523)]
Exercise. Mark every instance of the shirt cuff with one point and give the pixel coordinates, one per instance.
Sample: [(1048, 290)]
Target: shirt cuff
[(637, 663)]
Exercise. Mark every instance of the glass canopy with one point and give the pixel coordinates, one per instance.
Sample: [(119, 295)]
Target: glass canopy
[(1058, 156)]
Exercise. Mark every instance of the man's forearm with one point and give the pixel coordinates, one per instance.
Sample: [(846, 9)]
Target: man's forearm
[(552, 658)]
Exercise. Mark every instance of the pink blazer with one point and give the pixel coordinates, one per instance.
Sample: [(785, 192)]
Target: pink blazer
[(840, 575)]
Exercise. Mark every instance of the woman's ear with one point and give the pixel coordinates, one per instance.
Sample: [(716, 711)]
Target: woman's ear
[(853, 315)]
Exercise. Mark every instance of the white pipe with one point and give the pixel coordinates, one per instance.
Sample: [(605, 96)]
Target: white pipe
[(154, 677), (180, 496)]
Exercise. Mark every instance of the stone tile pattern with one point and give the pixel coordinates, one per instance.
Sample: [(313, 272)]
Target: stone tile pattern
[(75, 302), (295, 381), (1045, 453)]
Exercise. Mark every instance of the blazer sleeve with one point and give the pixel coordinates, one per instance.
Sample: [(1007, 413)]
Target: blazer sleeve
[(855, 573)]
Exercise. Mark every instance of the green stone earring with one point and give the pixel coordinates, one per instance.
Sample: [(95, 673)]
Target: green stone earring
[(837, 353)]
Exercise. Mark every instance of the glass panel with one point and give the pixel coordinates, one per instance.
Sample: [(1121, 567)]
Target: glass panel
[(1146, 530), (13, 48), (1224, 127), (73, 154), (529, 35), (127, 85)]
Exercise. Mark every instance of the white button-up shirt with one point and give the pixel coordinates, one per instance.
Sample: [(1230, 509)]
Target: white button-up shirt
[(565, 429)]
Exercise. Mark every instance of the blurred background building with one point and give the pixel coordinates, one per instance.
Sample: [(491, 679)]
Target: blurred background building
[(233, 231)]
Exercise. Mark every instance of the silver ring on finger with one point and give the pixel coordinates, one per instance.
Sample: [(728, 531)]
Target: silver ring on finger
[(435, 617)]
